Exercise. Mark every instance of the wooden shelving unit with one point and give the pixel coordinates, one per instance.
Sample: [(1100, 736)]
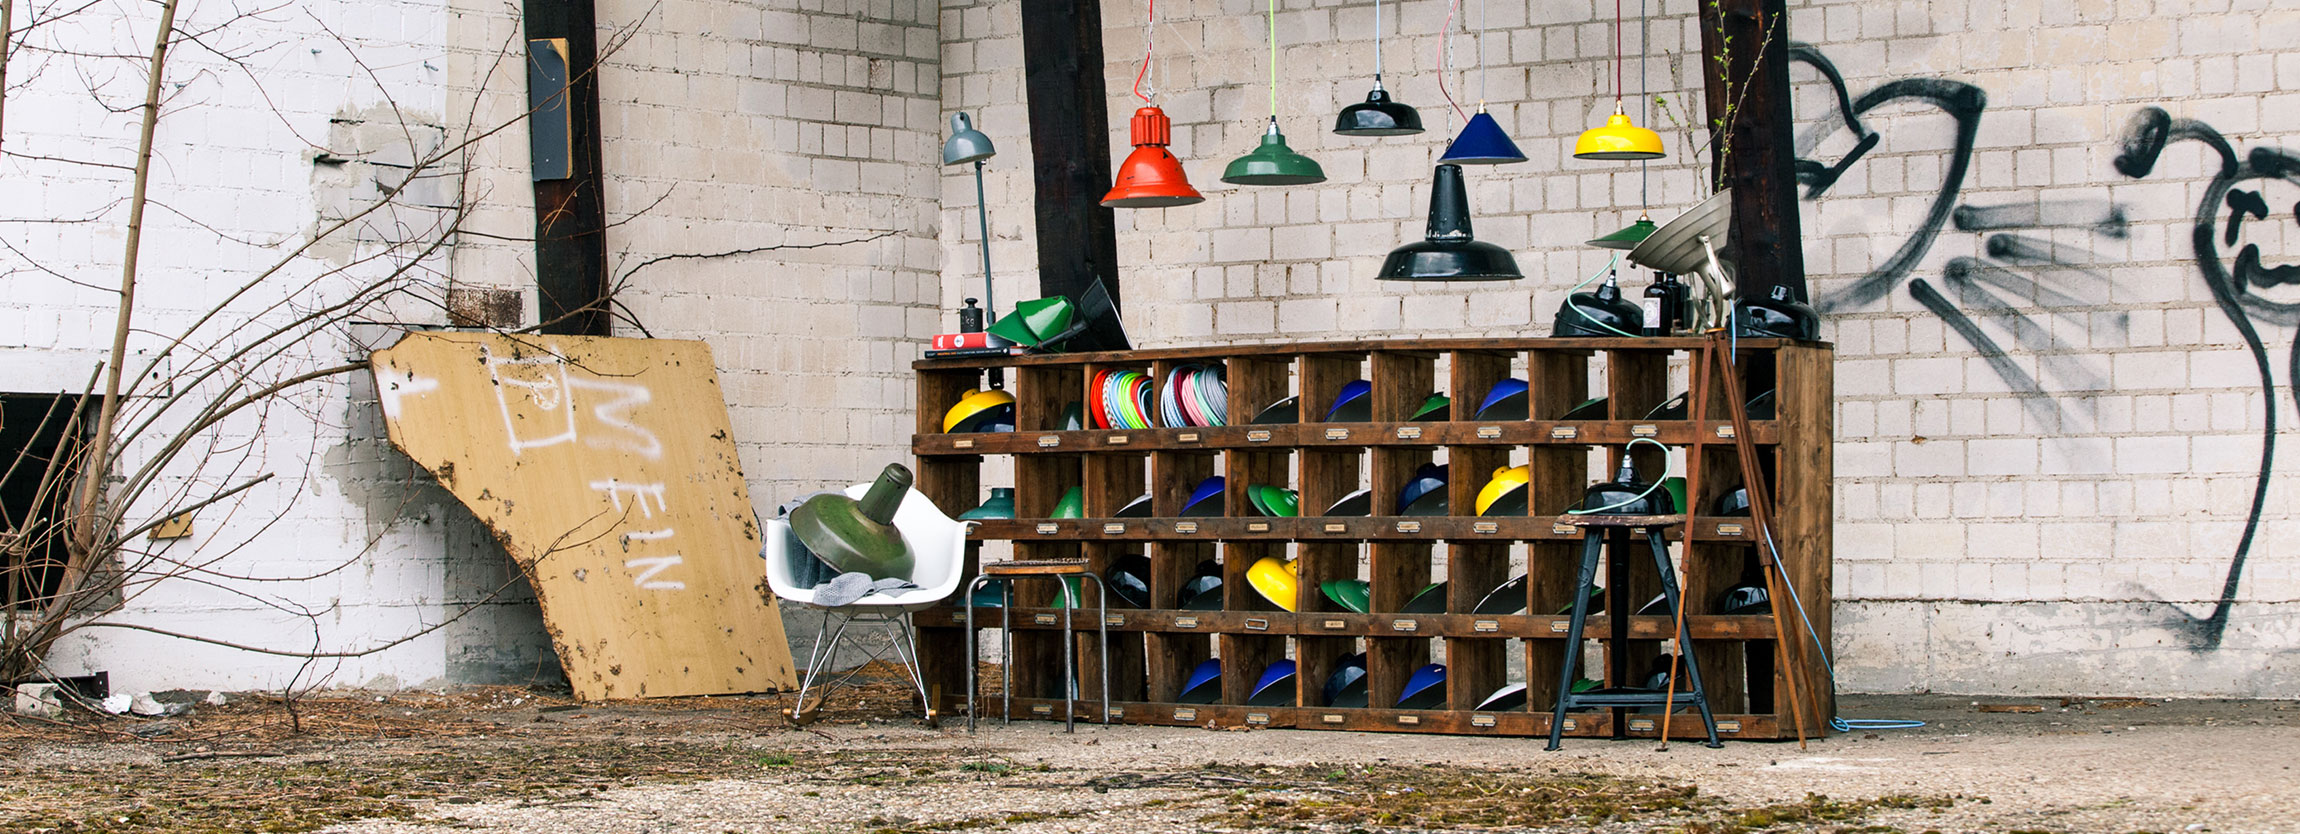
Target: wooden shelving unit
[(1152, 651)]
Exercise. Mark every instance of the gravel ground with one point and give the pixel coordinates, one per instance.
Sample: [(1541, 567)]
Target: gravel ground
[(539, 764)]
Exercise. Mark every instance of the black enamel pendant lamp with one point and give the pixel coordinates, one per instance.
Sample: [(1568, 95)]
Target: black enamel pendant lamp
[(1378, 115), (1273, 163), (1448, 252)]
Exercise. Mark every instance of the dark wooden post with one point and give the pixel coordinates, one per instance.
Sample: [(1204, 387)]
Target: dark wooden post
[(1760, 161), (570, 211), (1069, 138)]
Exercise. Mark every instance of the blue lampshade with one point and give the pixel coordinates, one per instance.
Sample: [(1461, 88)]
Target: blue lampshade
[(1482, 142)]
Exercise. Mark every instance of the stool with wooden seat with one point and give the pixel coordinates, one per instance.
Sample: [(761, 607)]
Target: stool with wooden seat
[(1595, 530), (1060, 570)]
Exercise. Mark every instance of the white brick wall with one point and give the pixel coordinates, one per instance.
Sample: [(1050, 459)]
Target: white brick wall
[(2092, 519)]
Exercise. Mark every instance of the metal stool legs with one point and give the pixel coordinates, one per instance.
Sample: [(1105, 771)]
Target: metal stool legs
[(1621, 697), (1069, 647)]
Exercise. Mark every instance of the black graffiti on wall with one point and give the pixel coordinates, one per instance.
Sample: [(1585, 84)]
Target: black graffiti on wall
[(2062, 279)]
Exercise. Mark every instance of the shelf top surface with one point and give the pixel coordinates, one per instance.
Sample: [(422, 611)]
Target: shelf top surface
[(1274, 350)]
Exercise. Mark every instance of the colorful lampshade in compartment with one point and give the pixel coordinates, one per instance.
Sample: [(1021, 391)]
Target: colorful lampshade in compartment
[(1194, 395), (1276, 580), (1120, 399)]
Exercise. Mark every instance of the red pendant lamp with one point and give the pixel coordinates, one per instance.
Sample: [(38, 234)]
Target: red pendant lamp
[(1151, 177)]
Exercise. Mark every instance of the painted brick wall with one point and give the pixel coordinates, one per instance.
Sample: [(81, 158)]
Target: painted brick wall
[(2053, 471), (771, 188)]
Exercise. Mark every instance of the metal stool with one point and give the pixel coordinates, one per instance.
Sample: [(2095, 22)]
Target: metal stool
[(1595, 530), (1004, 573)]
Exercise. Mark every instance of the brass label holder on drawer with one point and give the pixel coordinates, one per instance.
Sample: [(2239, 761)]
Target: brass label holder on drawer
[(1409, 526), (1336, 527), (1049, 441), (1118, 440), (1730, 529), (1405, 625), (1049, 528), (1644, 430), (1481, 721), (1257, 527), (1113, 619), (1185, 622), (1485, 527), (1489, 432), (1185, 527), (1330, 718), (1486, 626), (1728, 726), (1337, 434), (1564, 432), (1725, 432), (1409, 432), (1258, 719), (1334, 625), (1409, 720), (1042, 619), (1186, 714), (1186, 437), (1257, 624), (1114, 529), (1041, 709), (1258, 436), (962, 444)]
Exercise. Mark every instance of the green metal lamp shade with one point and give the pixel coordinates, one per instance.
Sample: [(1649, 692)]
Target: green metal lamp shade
[(1273, 164), (1448, 252), (1035, 321), (1628, 237), (859, 536), (965, 143)]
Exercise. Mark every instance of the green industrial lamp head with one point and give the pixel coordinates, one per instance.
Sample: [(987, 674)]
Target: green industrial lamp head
[(859, 536)]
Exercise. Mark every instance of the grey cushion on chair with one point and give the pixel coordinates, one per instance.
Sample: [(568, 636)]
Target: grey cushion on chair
[(808, 571), (845, 588)]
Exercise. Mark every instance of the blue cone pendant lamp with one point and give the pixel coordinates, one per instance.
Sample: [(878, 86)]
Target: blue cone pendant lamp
[(1448, 252), (1482, 142), (1273, 164)]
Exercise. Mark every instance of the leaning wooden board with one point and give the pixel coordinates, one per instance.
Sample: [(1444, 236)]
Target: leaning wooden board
[(607, 469)]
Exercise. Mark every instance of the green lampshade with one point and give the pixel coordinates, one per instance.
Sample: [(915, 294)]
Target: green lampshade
[(1628, 237), (1273, 164)]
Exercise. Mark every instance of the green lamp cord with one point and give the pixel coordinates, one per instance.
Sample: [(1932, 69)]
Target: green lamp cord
[(1640, 496), (1576, 308), (1273, 17)]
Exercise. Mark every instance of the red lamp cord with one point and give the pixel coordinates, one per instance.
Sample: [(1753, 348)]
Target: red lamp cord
[(1150, 42)]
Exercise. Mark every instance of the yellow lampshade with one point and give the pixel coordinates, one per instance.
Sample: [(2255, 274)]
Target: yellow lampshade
[(1618, 139)]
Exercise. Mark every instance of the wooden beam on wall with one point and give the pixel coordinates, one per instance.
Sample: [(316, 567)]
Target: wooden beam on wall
[(1069, 138), (571, 280), (1759, 159)]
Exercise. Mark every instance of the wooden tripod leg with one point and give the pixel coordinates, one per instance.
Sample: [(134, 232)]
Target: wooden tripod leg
[(1761, 513)]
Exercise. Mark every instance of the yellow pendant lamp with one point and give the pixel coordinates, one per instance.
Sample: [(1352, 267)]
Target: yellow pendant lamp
[(1619, 139)]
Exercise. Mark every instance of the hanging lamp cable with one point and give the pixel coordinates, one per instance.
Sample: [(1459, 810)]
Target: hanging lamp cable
[(1481, 55), (1445, 52), (1616, 53), (1644, 95), (1273, 17), (1377, 43), (1149, 43)]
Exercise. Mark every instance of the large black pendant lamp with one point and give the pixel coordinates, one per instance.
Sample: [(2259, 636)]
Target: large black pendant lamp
[(1378, 115), (1273, 163), (1449, 252)]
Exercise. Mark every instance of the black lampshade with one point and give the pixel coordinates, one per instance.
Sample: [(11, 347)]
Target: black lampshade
[(1378, 116), (1448, 252)]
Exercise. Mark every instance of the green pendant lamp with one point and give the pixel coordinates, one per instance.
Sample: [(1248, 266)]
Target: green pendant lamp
[(1273, 163), (1629, 236), (1619, 139)]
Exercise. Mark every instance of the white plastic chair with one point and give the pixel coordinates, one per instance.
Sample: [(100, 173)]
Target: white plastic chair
[(938, 548)]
